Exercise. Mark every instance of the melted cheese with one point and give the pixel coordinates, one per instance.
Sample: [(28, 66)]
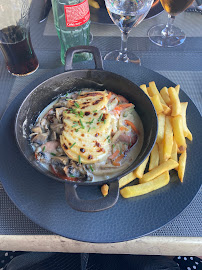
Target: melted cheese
[(87, 129)]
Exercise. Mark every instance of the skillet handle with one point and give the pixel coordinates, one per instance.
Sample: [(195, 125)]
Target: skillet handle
[(79, 49), (92, 205)]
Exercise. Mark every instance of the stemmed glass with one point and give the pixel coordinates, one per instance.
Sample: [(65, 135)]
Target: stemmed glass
[(126, 14), (169, 35)]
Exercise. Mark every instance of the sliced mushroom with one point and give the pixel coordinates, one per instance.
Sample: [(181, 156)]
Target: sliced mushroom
[(59, 160), (59, 111), (57, 128), (37, 130), (40, 138), (44, 124), (53, 136), (61, 103)]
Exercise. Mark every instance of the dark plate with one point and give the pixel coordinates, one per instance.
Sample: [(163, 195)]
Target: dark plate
[(101, 16), (42, 199)]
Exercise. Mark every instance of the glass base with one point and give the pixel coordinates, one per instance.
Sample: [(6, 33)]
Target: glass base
[(176, 38), (117, 56)]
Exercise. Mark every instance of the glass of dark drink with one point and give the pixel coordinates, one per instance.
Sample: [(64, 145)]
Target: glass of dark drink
[(15, 41), (169, 35), (126, 14)]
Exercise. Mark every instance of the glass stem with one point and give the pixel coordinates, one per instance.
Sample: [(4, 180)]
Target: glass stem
[(123, 53), (168, 30)]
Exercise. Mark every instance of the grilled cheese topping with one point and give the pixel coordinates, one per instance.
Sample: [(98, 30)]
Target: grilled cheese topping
[(87, 128)]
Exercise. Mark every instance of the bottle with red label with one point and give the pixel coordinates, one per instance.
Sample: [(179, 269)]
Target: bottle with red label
[(72, 23)]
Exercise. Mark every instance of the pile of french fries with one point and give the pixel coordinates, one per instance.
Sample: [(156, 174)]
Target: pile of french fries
[(169, 151)]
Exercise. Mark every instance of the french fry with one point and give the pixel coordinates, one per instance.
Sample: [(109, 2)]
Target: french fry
[(166, 110), (144, 88), (140, 170), (165, 166), (161, 127), (175, 102), (179, 133), (149, 91), (141, 189), (154, 157), (174, 151), (182, 165), (161, 158), (126, 179), (105, 190), (168, 139), (187, 132), (157, 104), (177, 89), (155, 91), (165, 95)]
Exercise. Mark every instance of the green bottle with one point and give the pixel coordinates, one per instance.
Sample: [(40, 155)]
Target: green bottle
[(72, 23)]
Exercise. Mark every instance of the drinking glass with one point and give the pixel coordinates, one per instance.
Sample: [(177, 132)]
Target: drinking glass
[(126, 14), (15, 41), (169, 35)]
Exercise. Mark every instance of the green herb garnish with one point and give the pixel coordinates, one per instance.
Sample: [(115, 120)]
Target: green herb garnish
[(89, 129), (104, 121), (68, 98), (72, 145), (79, 159), (90, 122), (43, 149), (113, 145), (77, 129), (91, 168), (81, 124), (100, 118), (53, 154), (75, 125), (81, 114), (95, 111), (71, 175), (76, 104)]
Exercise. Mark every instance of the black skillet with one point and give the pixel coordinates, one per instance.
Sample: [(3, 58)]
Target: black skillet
[(72, 80)]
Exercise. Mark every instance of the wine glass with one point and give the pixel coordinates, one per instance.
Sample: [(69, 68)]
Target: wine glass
[(126, 14), (169, 35)]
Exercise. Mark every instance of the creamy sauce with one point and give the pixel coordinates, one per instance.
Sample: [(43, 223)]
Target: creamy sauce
[(131, 154)]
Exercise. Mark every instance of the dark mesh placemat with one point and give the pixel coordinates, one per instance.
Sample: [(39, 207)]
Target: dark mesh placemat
[(188, 223)]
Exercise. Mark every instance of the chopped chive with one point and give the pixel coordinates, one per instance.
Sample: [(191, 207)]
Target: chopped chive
[(66, 94), (53, 154), (91, 168), (113, 145), (108, 137), (75, 125), (78, 129), (89, 129), (100, 118), (95, 111), (75, 122), (71, 175), (79, 93), (76, 104), (81, 114), (104, 121), (68, 98), (43, 149), (94, 127), (90, 122), (79, 159), (72, 145), (81, 123)]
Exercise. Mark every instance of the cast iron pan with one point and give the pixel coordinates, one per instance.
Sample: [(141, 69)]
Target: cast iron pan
[(73, 80)]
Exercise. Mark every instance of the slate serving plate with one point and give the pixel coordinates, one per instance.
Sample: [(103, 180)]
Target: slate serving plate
[(42, 200), (101, 16)]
